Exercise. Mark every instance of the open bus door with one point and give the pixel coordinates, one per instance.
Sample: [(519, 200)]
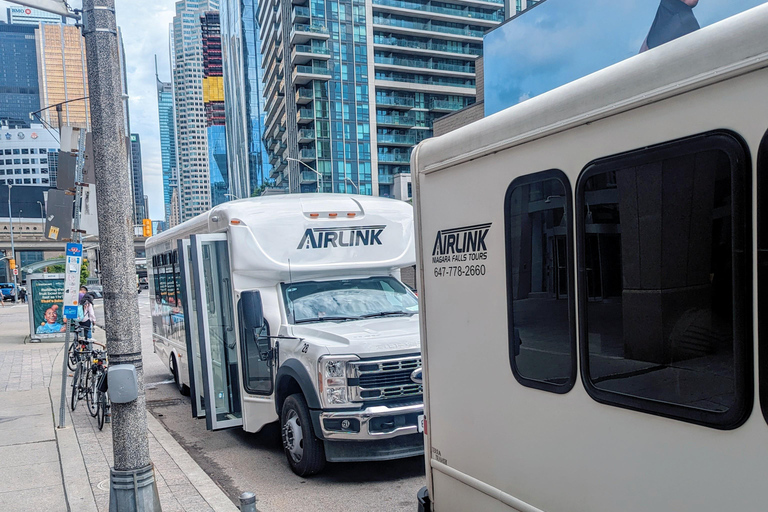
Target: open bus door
[(194, 363), (217, 344)]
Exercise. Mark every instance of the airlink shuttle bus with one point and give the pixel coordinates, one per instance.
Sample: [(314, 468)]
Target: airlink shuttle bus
[(593, 290), (290, 309)]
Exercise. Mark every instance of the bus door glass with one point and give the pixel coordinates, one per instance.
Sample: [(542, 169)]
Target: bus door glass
[(216, 325), (191, 331)]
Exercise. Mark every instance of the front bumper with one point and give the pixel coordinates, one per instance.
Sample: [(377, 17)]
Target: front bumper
[(372, 423)]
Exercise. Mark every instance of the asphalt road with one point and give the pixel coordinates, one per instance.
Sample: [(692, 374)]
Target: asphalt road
[(240, 461)]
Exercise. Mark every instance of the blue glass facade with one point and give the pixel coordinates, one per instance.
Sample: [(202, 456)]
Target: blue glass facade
[(243, 97), (167, 140), (217, 162), (19, 88)]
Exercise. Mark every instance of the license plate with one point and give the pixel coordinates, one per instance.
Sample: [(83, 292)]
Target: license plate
[(420, 423)]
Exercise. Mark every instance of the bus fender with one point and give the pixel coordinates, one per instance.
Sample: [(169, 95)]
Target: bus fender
[(292, 372)]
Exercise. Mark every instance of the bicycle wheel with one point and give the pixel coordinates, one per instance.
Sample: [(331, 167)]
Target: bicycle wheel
[(90, 393), (75, 388), (72, 357), (102, 409)]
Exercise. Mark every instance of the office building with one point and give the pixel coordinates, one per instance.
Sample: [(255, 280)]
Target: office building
[(28, 156), (33, 17), (213, 100), (247, 159), (139, 211), (19, 85), (62, 74), (191, 129), (350, 91), (166, 115)]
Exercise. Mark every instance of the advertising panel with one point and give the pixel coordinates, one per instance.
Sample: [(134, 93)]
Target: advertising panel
[(46, 307), (559, 41)]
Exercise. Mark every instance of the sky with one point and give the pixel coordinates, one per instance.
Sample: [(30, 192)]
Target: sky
[(144, 24)]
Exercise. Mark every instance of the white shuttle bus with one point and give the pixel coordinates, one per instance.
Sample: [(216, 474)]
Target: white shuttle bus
[(593, 285), (290, 309)]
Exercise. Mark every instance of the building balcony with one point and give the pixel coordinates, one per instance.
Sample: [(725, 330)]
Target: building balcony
[(300, 14), (305, 115), (386, 179), (272, 144), (307, 154), (305, 74), (309, 177), (306, 135), (402, 121), (304, 95), (445, 105), (303, 53), (427, 29), (274, 158), (301, 33), (423, 48), (392, 139), (426, 66), (454, 14), (282, 164), (398, 102), (299, 2), (395, 158)]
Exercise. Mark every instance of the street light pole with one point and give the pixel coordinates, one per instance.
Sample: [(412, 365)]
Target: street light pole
[(319, 176), (357, 190), (13, 250), (132, 481)]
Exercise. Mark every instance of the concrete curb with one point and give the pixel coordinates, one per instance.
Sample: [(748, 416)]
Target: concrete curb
[(207, 488), (77, 487)]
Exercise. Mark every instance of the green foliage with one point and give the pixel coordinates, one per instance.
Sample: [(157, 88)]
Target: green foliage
[(55, 269), (84, 272)]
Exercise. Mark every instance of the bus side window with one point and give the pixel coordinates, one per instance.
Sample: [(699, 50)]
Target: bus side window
[(540, 299), (762, 269), (665, 280)]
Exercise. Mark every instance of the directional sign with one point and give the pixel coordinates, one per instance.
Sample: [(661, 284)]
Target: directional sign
[(72, 279)]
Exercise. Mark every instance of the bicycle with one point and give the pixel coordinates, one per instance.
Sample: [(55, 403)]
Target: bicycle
[(98, 360), (102, 401), (78, 345), (80, 379)]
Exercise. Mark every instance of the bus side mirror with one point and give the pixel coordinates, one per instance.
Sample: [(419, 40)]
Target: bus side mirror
[(253, 313)]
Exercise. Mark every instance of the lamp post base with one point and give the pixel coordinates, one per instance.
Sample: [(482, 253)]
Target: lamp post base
[(133, 491)]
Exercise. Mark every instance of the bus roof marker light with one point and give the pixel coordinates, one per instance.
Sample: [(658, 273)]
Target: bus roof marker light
[(314, 215), (235, 222), (351, 214), (332, 214)]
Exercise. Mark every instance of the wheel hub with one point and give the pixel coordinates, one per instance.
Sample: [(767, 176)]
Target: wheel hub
[(293, 437)]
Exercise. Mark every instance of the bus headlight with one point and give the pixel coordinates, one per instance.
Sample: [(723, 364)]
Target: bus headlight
[(332, 379)]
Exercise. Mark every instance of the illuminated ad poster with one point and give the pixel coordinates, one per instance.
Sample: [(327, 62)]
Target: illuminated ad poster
[(559, 41), (47, 308)]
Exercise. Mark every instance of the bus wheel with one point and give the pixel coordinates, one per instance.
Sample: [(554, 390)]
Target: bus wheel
[(303, 449), (183, 388)]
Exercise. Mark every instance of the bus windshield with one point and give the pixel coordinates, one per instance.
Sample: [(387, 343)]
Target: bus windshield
[(347, 299)]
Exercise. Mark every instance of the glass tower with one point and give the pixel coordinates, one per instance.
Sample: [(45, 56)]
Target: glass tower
[(248, 162), (167, 140), (139, 212), (19, 87)]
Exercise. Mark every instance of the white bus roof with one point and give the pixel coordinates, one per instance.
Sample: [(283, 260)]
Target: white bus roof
[(714, 53), (316, 232)]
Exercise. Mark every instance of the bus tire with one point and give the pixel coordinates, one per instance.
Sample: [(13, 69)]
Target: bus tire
[(183, 388), (304, 451)]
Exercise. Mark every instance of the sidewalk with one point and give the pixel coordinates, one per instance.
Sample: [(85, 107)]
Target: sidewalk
[(45, 468)]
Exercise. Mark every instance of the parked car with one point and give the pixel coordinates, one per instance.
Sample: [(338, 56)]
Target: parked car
[(96, 290), (7, 291)]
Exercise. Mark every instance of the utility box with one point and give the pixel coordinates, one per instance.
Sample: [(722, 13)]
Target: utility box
[(122, 383)]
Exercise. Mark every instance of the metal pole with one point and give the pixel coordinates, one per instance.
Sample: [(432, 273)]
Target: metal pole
[(13, 250), (318, 179), (132, 483), (58, 117)]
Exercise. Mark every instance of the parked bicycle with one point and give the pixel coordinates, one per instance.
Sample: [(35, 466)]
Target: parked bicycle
[(81, 379), (98, 368)]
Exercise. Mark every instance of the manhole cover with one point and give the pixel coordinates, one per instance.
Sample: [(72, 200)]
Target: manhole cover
[(103, 485), (164, 402)]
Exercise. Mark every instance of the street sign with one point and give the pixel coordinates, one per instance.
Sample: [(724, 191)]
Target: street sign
[(15, 271), (72, 279)]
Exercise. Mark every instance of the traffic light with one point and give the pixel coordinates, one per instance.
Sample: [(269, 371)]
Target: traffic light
[(12, 263), (147, 228)]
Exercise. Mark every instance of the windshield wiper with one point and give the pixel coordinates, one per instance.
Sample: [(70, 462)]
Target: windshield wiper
[(326, 319), (388, 313)]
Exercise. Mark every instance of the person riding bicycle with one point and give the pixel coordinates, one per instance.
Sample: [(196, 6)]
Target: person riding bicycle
[(86, 314)]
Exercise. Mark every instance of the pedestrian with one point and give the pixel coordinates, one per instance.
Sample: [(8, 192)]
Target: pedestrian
[(86, 314), (23, 295)]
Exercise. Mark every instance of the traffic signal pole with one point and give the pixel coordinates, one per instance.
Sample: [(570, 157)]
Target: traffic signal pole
[(12, 259), (132, 482)]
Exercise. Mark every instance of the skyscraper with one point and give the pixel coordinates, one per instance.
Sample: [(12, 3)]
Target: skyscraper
[(350, 91), (247, 158), (213, 98), (19, 84), (167, 118), (139, 212), (30, 16), (191, 132), (62, 74)]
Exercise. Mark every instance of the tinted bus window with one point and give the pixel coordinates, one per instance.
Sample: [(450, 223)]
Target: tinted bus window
[(539, 238), (762, 269), (665, 280)]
